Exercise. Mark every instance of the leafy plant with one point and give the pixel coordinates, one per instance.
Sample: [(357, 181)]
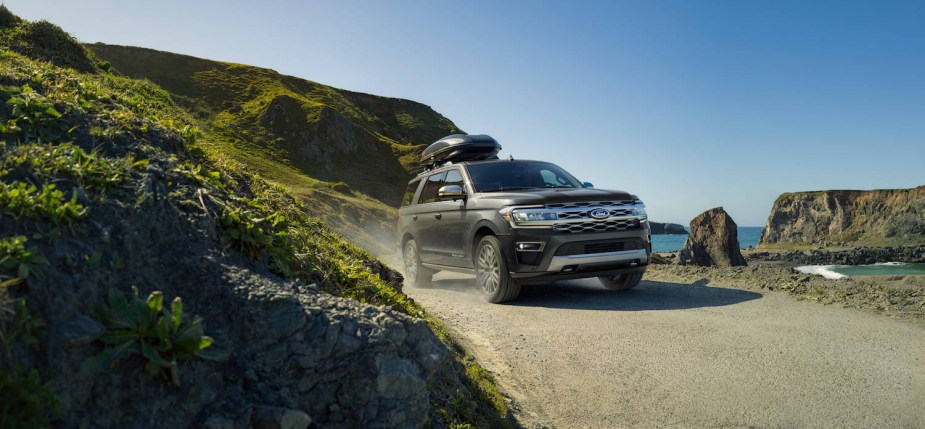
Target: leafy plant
[(148, 329), (252, 233), (22, 200), (16, 260), (33, 117), (26, 402), (87, 170)]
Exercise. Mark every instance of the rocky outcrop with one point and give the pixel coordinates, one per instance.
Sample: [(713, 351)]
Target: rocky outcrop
[(713, 241), (855, 256), (297, 354), (667, 228), (872, 218)]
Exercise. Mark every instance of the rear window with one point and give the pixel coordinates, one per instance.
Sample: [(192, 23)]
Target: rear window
[(409, 192)]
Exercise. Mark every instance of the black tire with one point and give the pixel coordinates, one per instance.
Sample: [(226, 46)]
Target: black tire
[(416, 274), (491, 272), (621, 282)]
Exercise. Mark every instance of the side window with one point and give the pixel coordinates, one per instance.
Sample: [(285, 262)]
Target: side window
[(409, 192), (431, 186), (454, 177)]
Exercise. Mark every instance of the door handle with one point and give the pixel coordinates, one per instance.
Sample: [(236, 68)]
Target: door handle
[(415, 217), (438, 215)]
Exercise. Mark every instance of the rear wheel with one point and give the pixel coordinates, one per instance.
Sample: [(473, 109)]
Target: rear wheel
[(621, 282), (491, 272), (416, 274)]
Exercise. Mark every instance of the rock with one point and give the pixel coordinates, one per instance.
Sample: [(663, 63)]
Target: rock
[(77, 331), (658, 259), (266, 417), (829, 218), (713, 241), (219, 422), (855, 256), (667, 228)]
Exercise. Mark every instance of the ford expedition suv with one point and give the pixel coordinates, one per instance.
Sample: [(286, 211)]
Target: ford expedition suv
[(515, 222)]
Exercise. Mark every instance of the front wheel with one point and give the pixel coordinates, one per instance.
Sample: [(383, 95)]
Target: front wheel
[(491, 272), (416, 274), (621, 282)]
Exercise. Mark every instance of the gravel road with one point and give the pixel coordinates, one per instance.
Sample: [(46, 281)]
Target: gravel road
[(574, 355)]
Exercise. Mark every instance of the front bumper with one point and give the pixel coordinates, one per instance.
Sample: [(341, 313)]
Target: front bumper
[(576, 255)]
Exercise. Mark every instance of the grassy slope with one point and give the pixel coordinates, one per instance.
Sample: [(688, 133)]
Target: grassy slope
[(348, 153), (66, 120)]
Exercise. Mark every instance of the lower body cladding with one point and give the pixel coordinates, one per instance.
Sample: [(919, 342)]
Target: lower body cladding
[(542, 256)]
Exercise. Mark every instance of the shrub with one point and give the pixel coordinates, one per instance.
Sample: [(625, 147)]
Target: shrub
[(148, 329), (26, 402), (18, 262)]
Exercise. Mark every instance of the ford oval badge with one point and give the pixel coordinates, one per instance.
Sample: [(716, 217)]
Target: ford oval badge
[(599, 213)]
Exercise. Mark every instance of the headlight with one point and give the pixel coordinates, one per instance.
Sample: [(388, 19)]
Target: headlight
[(533, 216), (641, 212)]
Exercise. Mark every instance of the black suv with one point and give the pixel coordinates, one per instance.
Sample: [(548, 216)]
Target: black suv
[(514, 222)]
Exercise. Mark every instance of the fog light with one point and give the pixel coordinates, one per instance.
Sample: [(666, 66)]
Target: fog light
[(525, 246)]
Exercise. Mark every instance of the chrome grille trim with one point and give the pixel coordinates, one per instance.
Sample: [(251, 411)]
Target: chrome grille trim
[(588, 204), (599, 226)]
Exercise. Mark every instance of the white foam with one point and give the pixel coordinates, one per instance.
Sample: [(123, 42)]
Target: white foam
[(892, 264), (821, 270)]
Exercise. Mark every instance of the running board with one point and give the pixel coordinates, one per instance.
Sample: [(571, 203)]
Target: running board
[(449, 268)]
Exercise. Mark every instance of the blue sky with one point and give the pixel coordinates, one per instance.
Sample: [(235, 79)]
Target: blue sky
[(689, 104)]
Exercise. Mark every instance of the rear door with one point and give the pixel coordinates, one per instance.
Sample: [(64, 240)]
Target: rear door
[(425, 218)]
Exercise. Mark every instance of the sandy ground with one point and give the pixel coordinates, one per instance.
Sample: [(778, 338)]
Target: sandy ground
[(574, 355)]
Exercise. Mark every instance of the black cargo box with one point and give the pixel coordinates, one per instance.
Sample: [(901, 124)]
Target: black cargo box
[(460, 147)]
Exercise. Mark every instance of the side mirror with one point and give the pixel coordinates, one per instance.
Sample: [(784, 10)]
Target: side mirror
[(451, 192), (587, 185)]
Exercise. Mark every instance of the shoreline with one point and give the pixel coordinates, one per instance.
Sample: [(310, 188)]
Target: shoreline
[(900, 296)]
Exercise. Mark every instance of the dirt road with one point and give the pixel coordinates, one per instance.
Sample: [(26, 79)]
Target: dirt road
[(573, 355)]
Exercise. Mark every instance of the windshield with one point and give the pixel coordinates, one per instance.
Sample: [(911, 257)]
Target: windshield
[(507, 176)]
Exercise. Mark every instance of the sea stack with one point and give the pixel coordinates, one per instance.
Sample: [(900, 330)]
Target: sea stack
[(713, 241)]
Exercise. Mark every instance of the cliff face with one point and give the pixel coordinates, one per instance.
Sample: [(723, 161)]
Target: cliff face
[(879, 217)]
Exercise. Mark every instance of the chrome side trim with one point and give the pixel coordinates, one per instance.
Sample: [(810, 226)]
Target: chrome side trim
[(558, 262)]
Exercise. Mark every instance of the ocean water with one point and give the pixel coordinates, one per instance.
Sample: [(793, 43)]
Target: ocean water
[(884, 269), (673, 243)]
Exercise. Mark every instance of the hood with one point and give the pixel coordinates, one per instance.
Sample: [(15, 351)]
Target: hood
[(541, 196)]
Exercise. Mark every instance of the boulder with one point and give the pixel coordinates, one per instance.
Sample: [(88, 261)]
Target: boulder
[(713, 241)]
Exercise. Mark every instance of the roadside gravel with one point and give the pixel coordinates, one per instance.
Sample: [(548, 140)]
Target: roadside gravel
[(680, 355)]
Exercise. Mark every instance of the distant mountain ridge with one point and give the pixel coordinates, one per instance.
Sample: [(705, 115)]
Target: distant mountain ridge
[(873, 218), (367, 142)]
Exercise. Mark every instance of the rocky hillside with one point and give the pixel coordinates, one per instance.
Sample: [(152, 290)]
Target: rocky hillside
[(349, 153), (150, 280), (872, 218)]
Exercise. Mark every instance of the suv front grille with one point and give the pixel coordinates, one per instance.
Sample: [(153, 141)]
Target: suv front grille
[(598, 246), (584, 214), (602, 226), (604, 247), (588, 204)]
